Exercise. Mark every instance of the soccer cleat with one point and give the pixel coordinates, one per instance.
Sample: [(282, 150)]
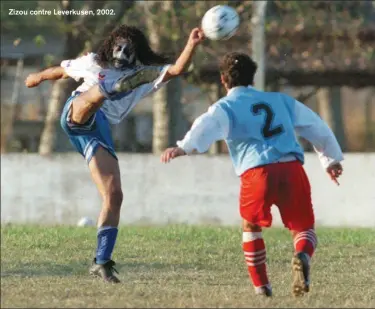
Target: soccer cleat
[(264, 290), (143, 76), (301, 274), (105, 271)]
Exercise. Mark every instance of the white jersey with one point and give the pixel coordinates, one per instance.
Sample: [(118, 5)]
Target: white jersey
[(88, 69), (85, 68)]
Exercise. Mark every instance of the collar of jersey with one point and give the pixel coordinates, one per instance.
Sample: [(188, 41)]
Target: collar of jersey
[(240, 89)]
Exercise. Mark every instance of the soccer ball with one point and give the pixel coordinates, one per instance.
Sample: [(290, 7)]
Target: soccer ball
[(220, 22), (85, 221)]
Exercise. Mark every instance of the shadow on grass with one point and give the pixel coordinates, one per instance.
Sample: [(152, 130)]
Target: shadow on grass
[(142, 266), (43, 269)]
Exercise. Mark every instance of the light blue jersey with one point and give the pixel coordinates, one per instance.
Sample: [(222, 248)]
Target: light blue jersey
[(261, 127)]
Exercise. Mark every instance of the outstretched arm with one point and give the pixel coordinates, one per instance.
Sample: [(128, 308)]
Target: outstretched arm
[(53, 73), (208, 128), (75, 68), (311, 127), (183, 62)]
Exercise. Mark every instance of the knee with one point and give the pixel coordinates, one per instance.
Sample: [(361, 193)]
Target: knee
[(250, 227), (72, 115), (77, 115), (113, 198)]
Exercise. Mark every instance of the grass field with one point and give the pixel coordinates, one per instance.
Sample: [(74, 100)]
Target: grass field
[(179, 266)]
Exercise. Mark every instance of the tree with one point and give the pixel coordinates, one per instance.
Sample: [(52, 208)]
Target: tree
[(369, 123), (329, 104), (7, 132), (215, 92), (167, 109)]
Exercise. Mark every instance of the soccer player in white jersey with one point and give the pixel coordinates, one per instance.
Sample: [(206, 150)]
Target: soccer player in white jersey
[(259, 129), (124, 70)]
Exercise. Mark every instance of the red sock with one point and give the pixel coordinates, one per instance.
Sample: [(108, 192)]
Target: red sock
[(255, 256), (305, 241)]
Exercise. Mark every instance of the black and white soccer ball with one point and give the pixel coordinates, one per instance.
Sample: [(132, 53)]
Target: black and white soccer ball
[(220, 22)]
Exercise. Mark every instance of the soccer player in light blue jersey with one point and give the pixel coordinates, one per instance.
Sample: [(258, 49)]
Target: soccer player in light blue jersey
[(260, 130), (124, 70)]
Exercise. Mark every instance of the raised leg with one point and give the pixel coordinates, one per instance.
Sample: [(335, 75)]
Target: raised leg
[(86, 105)]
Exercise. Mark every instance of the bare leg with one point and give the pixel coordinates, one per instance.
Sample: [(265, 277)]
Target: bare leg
[(255, 256), (105, 172), (86, 104)]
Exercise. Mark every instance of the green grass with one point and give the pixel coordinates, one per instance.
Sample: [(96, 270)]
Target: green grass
[(179, 266)]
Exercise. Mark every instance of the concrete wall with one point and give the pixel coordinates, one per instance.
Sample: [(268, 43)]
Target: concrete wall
[(198, 189)]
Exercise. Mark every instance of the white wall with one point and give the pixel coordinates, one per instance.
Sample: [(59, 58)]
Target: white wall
[(198, 189)]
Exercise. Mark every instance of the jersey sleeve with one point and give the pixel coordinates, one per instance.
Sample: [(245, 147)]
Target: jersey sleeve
[(208, 128), (150, 88), (158, 82), (78, 68), (311, 127)]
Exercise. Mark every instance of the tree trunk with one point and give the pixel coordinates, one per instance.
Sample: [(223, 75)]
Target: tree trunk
[(168, 120), (48, 137), (369, 124), (338, 125), (167, 111), (215, 95), (7, 133), (329, 103), (161, 127), (177, 121)]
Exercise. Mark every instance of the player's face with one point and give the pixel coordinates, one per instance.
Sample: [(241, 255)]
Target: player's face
[(123, 53)]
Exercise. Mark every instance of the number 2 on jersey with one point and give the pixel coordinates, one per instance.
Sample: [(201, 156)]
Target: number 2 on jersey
[(267, 131)]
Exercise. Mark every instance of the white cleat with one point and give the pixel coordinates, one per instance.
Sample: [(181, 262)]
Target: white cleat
[(264, 291)]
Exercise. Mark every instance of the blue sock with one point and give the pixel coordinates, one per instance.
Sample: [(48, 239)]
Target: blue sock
[(106, 241)]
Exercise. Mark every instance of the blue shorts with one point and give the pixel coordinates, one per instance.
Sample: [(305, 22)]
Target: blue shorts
[(86, 138)]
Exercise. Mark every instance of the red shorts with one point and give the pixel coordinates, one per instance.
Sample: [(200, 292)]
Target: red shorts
[(284, 184)]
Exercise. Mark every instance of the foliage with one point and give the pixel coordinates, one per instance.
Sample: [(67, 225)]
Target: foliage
[(339, 29), (29, 25), (301, 35), (88, 30)]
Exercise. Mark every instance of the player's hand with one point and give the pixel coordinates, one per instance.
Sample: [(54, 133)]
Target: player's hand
[(172, 153), (335, 171), (33, 80), (196, 36)]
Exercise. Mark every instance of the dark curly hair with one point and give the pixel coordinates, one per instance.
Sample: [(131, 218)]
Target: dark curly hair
[(133, 35), (237, 69)]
